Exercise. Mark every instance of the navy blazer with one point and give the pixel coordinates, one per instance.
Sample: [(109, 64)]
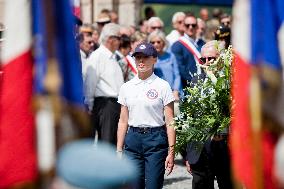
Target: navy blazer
[(185, 60)]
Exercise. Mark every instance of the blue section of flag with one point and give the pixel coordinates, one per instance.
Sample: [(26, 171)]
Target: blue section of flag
[(40, 56), (266, 19), (68, 52)]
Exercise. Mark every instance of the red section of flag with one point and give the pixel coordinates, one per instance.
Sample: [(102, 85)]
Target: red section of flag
[(241, 139), (241, 135), (77, 11), (268, 145), (17, 128)]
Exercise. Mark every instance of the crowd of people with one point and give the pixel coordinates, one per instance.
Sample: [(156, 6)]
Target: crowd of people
[(133, 83)]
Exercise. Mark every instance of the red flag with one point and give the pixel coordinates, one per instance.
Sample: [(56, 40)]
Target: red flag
[(17, 129)]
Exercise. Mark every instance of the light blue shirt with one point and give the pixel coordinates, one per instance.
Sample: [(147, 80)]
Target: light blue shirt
[(167, 69)]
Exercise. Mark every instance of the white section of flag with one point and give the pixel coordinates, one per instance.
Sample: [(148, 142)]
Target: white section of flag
[(76, 3), (241, 29), (17, 35)]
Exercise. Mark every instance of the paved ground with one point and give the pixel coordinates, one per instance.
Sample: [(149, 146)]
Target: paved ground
[(179, 178)]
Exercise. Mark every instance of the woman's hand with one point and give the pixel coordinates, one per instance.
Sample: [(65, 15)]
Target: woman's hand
[(170, 162)]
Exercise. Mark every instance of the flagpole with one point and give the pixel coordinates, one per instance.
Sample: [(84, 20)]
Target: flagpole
[(256, 121), (49, 108)]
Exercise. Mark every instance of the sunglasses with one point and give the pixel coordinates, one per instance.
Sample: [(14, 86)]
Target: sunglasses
[(158, 42), (116, 37), (203, 59), (192, 25), (103, 23), (156, 27), (226, 23)]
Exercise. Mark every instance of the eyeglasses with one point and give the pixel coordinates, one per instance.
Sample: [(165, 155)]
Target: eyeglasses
[(156, 27), (192, 25), (203, 59), (180, 22), (158, 42)]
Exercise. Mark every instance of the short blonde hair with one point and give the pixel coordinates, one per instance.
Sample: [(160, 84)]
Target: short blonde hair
[(161, 35)]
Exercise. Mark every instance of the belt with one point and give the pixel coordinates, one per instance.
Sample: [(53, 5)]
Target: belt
[(106, 98), (144, 130)]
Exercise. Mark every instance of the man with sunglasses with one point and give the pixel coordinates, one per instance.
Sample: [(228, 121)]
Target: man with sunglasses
[(208, 160), (225, 20), (187, 51), (102, 83)]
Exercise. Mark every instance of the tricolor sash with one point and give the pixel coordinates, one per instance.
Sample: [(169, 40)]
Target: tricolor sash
[(131, 63), (193, 50)]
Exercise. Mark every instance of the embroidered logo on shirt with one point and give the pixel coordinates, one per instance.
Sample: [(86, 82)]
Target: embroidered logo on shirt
[(142, 47), (152, 94)]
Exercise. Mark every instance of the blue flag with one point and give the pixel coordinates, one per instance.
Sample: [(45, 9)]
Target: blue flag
[(66, 50)]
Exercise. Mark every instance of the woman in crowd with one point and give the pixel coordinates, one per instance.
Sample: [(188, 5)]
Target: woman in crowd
[(166, 67), (144, 131)]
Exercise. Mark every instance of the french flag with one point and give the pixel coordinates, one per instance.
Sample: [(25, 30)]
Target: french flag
[(257, 90), (17, 128), (76, 8)]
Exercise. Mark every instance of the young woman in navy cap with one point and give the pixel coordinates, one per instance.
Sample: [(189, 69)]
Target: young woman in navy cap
[(145, 133)]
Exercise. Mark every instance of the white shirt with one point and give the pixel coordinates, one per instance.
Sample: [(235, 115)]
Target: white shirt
[(84, 58), (173, 37), (145, 100), (103, 76)]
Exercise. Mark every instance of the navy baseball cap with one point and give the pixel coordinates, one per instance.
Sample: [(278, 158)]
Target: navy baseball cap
[(145, 48)]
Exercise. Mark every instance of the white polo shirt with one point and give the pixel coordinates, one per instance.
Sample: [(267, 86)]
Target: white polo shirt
[(145, 100)]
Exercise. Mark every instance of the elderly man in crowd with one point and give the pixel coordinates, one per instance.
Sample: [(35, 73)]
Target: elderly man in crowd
[(187, 51), (155, 23), (178, 25), (212, 158), (103, 81), (86, 44)]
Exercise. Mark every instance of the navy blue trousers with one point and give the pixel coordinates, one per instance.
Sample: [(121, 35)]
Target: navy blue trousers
[(148, 150)]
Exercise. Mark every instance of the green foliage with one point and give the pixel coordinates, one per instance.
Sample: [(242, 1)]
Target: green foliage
[(205, 110)]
